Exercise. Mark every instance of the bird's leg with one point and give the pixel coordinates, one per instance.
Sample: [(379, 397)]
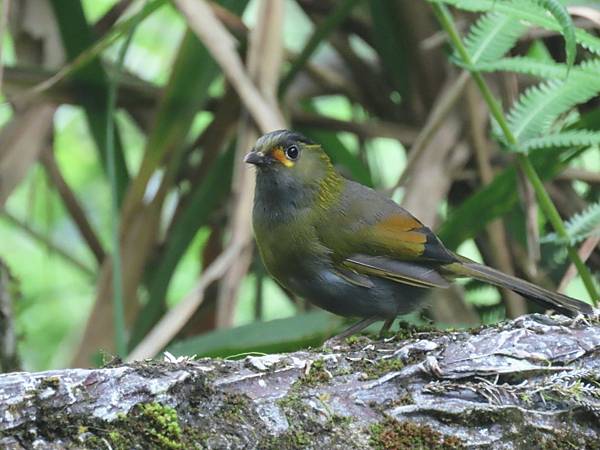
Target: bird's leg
[(386, 327), (358, 326)]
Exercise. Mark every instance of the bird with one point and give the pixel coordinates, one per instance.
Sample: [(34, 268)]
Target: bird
[(350, 249)]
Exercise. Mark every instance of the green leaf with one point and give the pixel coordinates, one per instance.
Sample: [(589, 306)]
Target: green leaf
[(186, 93), (341, 11), (580, 226), (492, 35), (495, 199), (525, 65), (538, 51), (539, 106), (391, 43), (117, 272), (205, 197), (573, 138), (193, 72), (526, 11), (589, 120), (562, 16), (91, 84), (274, 336)]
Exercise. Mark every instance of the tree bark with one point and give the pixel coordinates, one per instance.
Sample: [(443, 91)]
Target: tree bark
[(533, 382)]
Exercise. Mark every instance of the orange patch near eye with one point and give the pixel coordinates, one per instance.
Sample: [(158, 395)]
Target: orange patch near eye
[(279, 155)]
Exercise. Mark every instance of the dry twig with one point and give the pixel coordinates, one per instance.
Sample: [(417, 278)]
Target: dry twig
[(264, 61), (170, 324), (515, 305), (222, 47), (586, 249), (73, 206)]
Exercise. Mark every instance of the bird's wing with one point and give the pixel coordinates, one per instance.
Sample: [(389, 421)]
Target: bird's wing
[(399, 248), (407, 272), (387, 241)]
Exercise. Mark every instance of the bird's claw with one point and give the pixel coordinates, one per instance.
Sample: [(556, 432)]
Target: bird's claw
[(580, 319), (332, 343)]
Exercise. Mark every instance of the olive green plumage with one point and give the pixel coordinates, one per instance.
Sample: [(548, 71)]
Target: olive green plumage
[(348, 248)]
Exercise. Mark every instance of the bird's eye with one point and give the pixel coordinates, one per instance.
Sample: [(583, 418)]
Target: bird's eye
[(292, 153)]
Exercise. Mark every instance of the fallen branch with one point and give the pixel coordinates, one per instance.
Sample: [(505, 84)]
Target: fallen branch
[(528, 383)]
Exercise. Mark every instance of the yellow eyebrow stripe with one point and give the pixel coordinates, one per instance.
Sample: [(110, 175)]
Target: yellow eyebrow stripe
[(279, 155)]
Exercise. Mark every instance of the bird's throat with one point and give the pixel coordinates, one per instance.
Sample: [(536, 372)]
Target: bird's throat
[(280, 199)]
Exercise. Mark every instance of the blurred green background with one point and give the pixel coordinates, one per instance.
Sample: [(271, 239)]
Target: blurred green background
[(368, 93)]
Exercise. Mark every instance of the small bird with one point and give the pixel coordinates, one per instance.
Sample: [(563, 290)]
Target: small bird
[(349, 249)]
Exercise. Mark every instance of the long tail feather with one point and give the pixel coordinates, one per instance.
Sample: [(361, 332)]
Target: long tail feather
[(554, 300)]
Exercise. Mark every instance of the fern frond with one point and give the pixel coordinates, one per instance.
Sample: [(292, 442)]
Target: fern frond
[(525, 65), (539, 106), (580, 226), (492, 35), (562, 16), (526, 11), (572, 138)]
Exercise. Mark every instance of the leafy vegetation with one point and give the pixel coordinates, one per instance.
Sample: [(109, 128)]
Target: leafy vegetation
[(123, 127)]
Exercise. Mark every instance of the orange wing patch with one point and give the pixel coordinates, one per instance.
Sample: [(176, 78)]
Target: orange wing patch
[(400, 234), (401, 227), (399, 222), (279, 155)]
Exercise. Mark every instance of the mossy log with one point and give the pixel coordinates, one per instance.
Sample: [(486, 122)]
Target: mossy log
[(530, 383)]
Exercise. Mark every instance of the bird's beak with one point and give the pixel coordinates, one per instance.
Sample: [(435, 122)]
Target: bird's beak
[(256, 158)]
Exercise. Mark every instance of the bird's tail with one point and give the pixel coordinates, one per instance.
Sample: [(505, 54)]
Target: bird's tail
[(559, 302)]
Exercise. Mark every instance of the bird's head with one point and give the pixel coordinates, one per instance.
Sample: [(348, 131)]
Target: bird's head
[(288, 152), (291, 167)]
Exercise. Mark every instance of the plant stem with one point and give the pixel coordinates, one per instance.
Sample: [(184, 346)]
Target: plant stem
[(94, 50), (552, 214), (117, 274), (549, 209)]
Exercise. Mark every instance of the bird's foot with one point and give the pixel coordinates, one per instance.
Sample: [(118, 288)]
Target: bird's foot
[(331, 344), (338, 339), (580, 318), (385, 328)]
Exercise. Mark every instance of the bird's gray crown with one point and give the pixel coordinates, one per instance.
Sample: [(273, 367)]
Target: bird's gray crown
[(280, 138)]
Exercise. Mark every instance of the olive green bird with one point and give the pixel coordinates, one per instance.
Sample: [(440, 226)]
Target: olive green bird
[(349, 249)]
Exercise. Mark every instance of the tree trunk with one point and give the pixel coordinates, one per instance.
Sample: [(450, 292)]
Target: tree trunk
[(530, 383)]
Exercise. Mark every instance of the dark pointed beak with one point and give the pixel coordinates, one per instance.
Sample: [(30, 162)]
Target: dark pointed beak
[(256, 158)]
